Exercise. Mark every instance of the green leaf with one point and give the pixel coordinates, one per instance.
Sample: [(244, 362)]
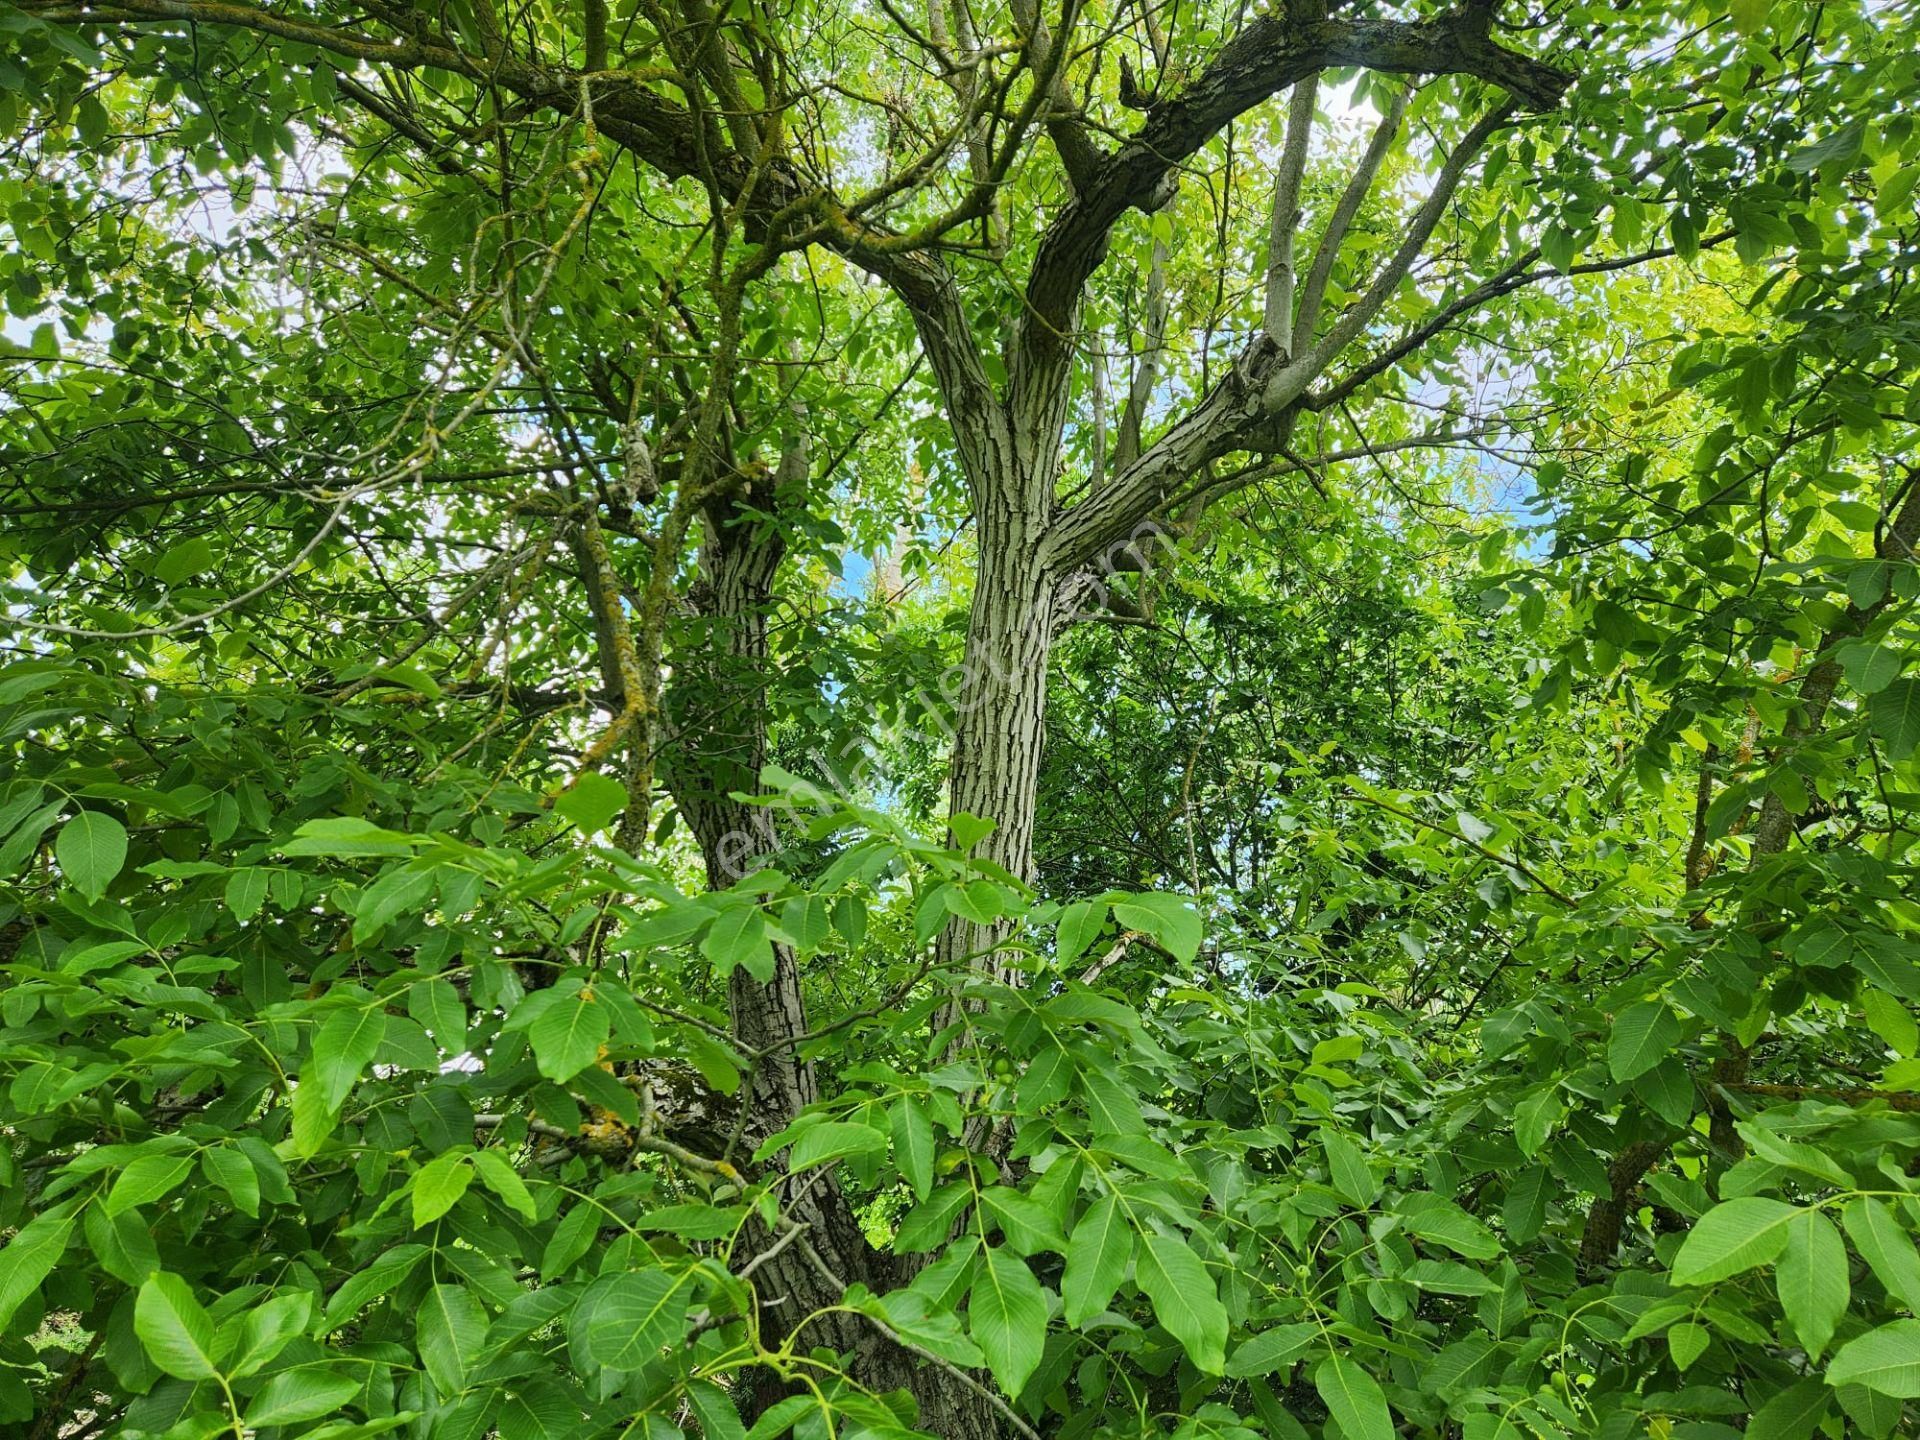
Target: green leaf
[(1347, 1165), (399, 890), (981, 901), (343, 1047), (1643, 1035), (451, 1331), (1886, 1361), (719, 1420), (1735, 1235), (1007, 1318), (691, 1222), (270, 1327), (380, 1278), (1525, 1208), (1838, 146), (1557, 246), (1338, 1050), (147, 1179), (568, 1034), (122, 1244), (805, 918), (436, 1007), (296, 1395), (247, 891), (1687, 1342), (313, 1122), (1272, 1349), (1883, 960), (1354, 1399), (634, 1316), (1667, 1090), (1812, 1279), (571, 1239), (1871, 668), (1792, 1414), (91, 848), (1028, 1225), (916, 1317), (1166, 919), (176, 1333), (409, 677), (29, 1257), (850, 919), (184, 560), (592, 801), (835, 1140), (1185, 1299), (1888, 1018), (1887, 1247), (1535, 1117), (1873, 1415), (1098, 1253), (1078, 925), (348, 837), (1893, 195), (1867, 583), (1894, 714), (969, 830), (1111, 1105), (538, 1409), (1433, 1218), (1047, 1081), (913, 1149), (1450, 1277), (501, 1178), (738, 940), (437, 1186)]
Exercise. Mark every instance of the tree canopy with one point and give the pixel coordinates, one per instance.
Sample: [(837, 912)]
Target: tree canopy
[(847, 718)]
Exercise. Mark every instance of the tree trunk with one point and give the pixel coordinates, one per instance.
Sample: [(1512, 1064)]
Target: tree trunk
[(718, 707), (1000, 710)]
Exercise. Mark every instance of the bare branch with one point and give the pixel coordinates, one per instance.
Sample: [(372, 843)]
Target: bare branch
[(1291, 380), (1268, 55), (1522, 272), (1286, 212), (1065, 125), (1147, 369), (1313, 294)]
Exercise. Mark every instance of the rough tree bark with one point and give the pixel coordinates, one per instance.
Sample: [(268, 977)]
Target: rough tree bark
[(718, 704)]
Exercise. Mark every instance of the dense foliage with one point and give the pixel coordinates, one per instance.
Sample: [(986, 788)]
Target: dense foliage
[(847, 720)]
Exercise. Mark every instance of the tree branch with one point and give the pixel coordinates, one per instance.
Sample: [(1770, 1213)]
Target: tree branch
[(1286, 212), (1290, 381), (1079, 156), (1522, 272), (1269, 54), (1314, 292), (1146, 372)]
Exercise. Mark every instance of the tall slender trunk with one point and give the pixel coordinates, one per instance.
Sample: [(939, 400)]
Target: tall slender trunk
[(718, 706)]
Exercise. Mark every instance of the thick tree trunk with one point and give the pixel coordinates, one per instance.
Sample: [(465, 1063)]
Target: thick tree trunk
[(1000, 709)]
